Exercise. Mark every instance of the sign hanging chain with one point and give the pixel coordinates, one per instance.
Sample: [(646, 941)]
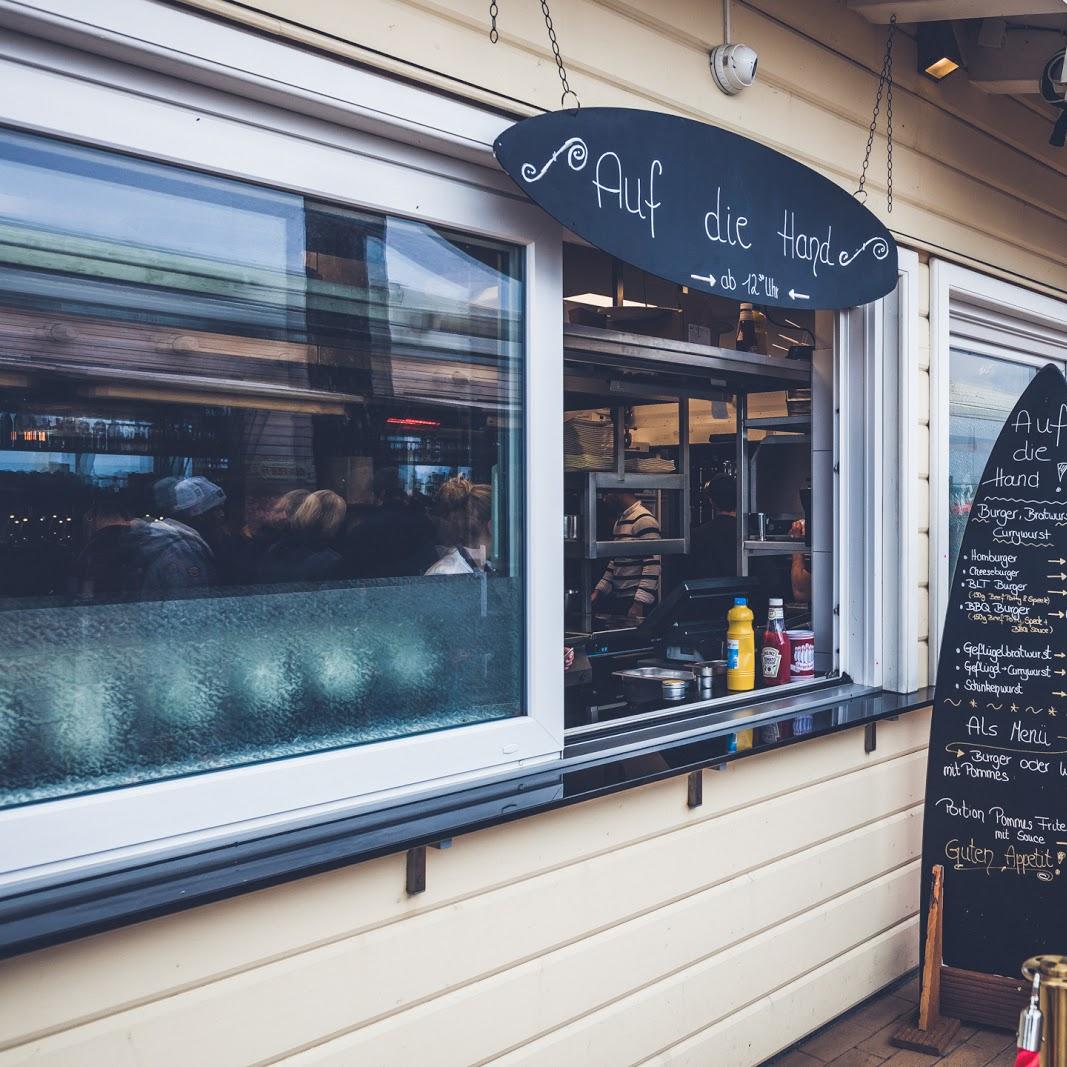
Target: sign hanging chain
[(885, 83), (494, 36)]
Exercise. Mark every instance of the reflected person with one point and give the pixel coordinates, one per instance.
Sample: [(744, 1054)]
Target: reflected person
[(464, 515), (395, 539), (275, 524), (306, 552), (174, 552)]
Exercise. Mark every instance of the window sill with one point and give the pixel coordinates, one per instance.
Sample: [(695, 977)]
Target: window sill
[(64, 909)]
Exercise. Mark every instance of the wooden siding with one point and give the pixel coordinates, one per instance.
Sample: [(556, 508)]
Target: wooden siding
[(625, 930), (975, 177)]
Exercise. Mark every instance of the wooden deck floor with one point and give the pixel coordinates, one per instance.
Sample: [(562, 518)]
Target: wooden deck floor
[(860, 1038)]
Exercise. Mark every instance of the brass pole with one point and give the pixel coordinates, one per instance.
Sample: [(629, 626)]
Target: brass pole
[(1053, 971)]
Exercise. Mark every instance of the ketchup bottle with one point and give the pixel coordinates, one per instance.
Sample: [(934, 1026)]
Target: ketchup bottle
[(774, 653)]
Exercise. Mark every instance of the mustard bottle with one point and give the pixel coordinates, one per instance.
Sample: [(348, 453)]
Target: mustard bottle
[(740, 647)]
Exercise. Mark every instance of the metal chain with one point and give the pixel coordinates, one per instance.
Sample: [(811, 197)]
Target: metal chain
[(567, 90), (885, 84), (494, 36)]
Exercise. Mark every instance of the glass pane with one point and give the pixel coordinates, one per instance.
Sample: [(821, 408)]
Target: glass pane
[(260, 474), (982, 392), (652, 432)]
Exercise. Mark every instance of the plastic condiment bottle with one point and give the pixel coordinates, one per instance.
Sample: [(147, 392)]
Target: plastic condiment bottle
[(740, 647), (774, 653), (751, 330)]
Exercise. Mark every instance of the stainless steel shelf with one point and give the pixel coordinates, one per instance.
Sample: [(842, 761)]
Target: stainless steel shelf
[(664, 546), (720, 366), (775, 548), (798, 423)]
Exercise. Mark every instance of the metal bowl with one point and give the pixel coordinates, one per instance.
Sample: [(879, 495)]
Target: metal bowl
[(674, 688)]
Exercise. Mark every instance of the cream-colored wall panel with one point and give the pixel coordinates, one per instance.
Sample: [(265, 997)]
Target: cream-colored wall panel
[(922, 548), (299, 1000), (654, 1018), (924, 664), (111, 971), (921, 127), (923, 605), (924, 512), (790, 1013), (923, 286), (585, 981), (965, 214), (923, 395), (1011, 121), (922, 450), (971, 192), (922, 329)]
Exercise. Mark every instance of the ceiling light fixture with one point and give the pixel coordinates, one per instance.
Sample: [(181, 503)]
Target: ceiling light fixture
[(938, 53), (599, 300)]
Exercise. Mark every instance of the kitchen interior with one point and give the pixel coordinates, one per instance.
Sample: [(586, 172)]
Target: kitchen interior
[(697, 409)]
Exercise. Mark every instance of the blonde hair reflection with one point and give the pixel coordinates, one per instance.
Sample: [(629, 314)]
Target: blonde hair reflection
[(320, 516)]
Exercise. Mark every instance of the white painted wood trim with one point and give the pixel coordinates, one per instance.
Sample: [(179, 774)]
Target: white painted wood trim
[(901, 472), (205, 51), (51, 90), (964, 301)]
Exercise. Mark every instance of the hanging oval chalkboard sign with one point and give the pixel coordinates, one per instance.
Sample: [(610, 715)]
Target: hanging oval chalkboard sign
[(996, 806), (702, 207)]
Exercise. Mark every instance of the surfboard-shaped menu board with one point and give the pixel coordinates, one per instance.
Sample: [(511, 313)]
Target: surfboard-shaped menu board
[(996, 790)]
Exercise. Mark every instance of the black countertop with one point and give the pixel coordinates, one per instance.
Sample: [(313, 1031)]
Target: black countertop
[(50, 911)]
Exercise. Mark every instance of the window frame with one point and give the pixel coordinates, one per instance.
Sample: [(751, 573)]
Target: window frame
[(183, 88), (205, 130), (988, 316)]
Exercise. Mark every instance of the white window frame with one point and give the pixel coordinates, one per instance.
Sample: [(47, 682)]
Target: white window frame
[(169, 84), (991, 317), (95, 101), (878, 477)]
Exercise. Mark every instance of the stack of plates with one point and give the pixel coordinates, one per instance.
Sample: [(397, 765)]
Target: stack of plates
[(588, 445), (651, 465)]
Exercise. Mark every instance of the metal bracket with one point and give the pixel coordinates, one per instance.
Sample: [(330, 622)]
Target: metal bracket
[(695, 789), (870, 737), (416, 865), (416, 870)]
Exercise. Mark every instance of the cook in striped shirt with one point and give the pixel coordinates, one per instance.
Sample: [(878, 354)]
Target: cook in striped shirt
[(630, 585)]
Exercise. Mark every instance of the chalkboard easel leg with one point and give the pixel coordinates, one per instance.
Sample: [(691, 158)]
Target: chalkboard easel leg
[(930, 1032)]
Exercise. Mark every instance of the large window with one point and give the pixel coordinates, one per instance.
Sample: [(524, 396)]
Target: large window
[(982, 391), (988, 339), (261, 474)]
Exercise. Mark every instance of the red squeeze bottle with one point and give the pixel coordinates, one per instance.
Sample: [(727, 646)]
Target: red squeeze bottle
[(774, 652)]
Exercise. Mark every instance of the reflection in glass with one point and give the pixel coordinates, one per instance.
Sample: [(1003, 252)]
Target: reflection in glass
[(260, 473), (982, 392)]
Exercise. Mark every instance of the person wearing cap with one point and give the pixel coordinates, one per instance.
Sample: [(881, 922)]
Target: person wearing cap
[(175, 552)]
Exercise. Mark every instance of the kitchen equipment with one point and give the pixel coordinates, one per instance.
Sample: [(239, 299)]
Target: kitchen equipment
[(802, 654), (705, 681), (570, 527), (674, 688), (643, 684)]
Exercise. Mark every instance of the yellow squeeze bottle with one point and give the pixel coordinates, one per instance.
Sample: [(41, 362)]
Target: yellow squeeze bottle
[(740, 647)]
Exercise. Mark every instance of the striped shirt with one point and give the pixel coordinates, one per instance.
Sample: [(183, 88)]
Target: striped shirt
[(633, 577)]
